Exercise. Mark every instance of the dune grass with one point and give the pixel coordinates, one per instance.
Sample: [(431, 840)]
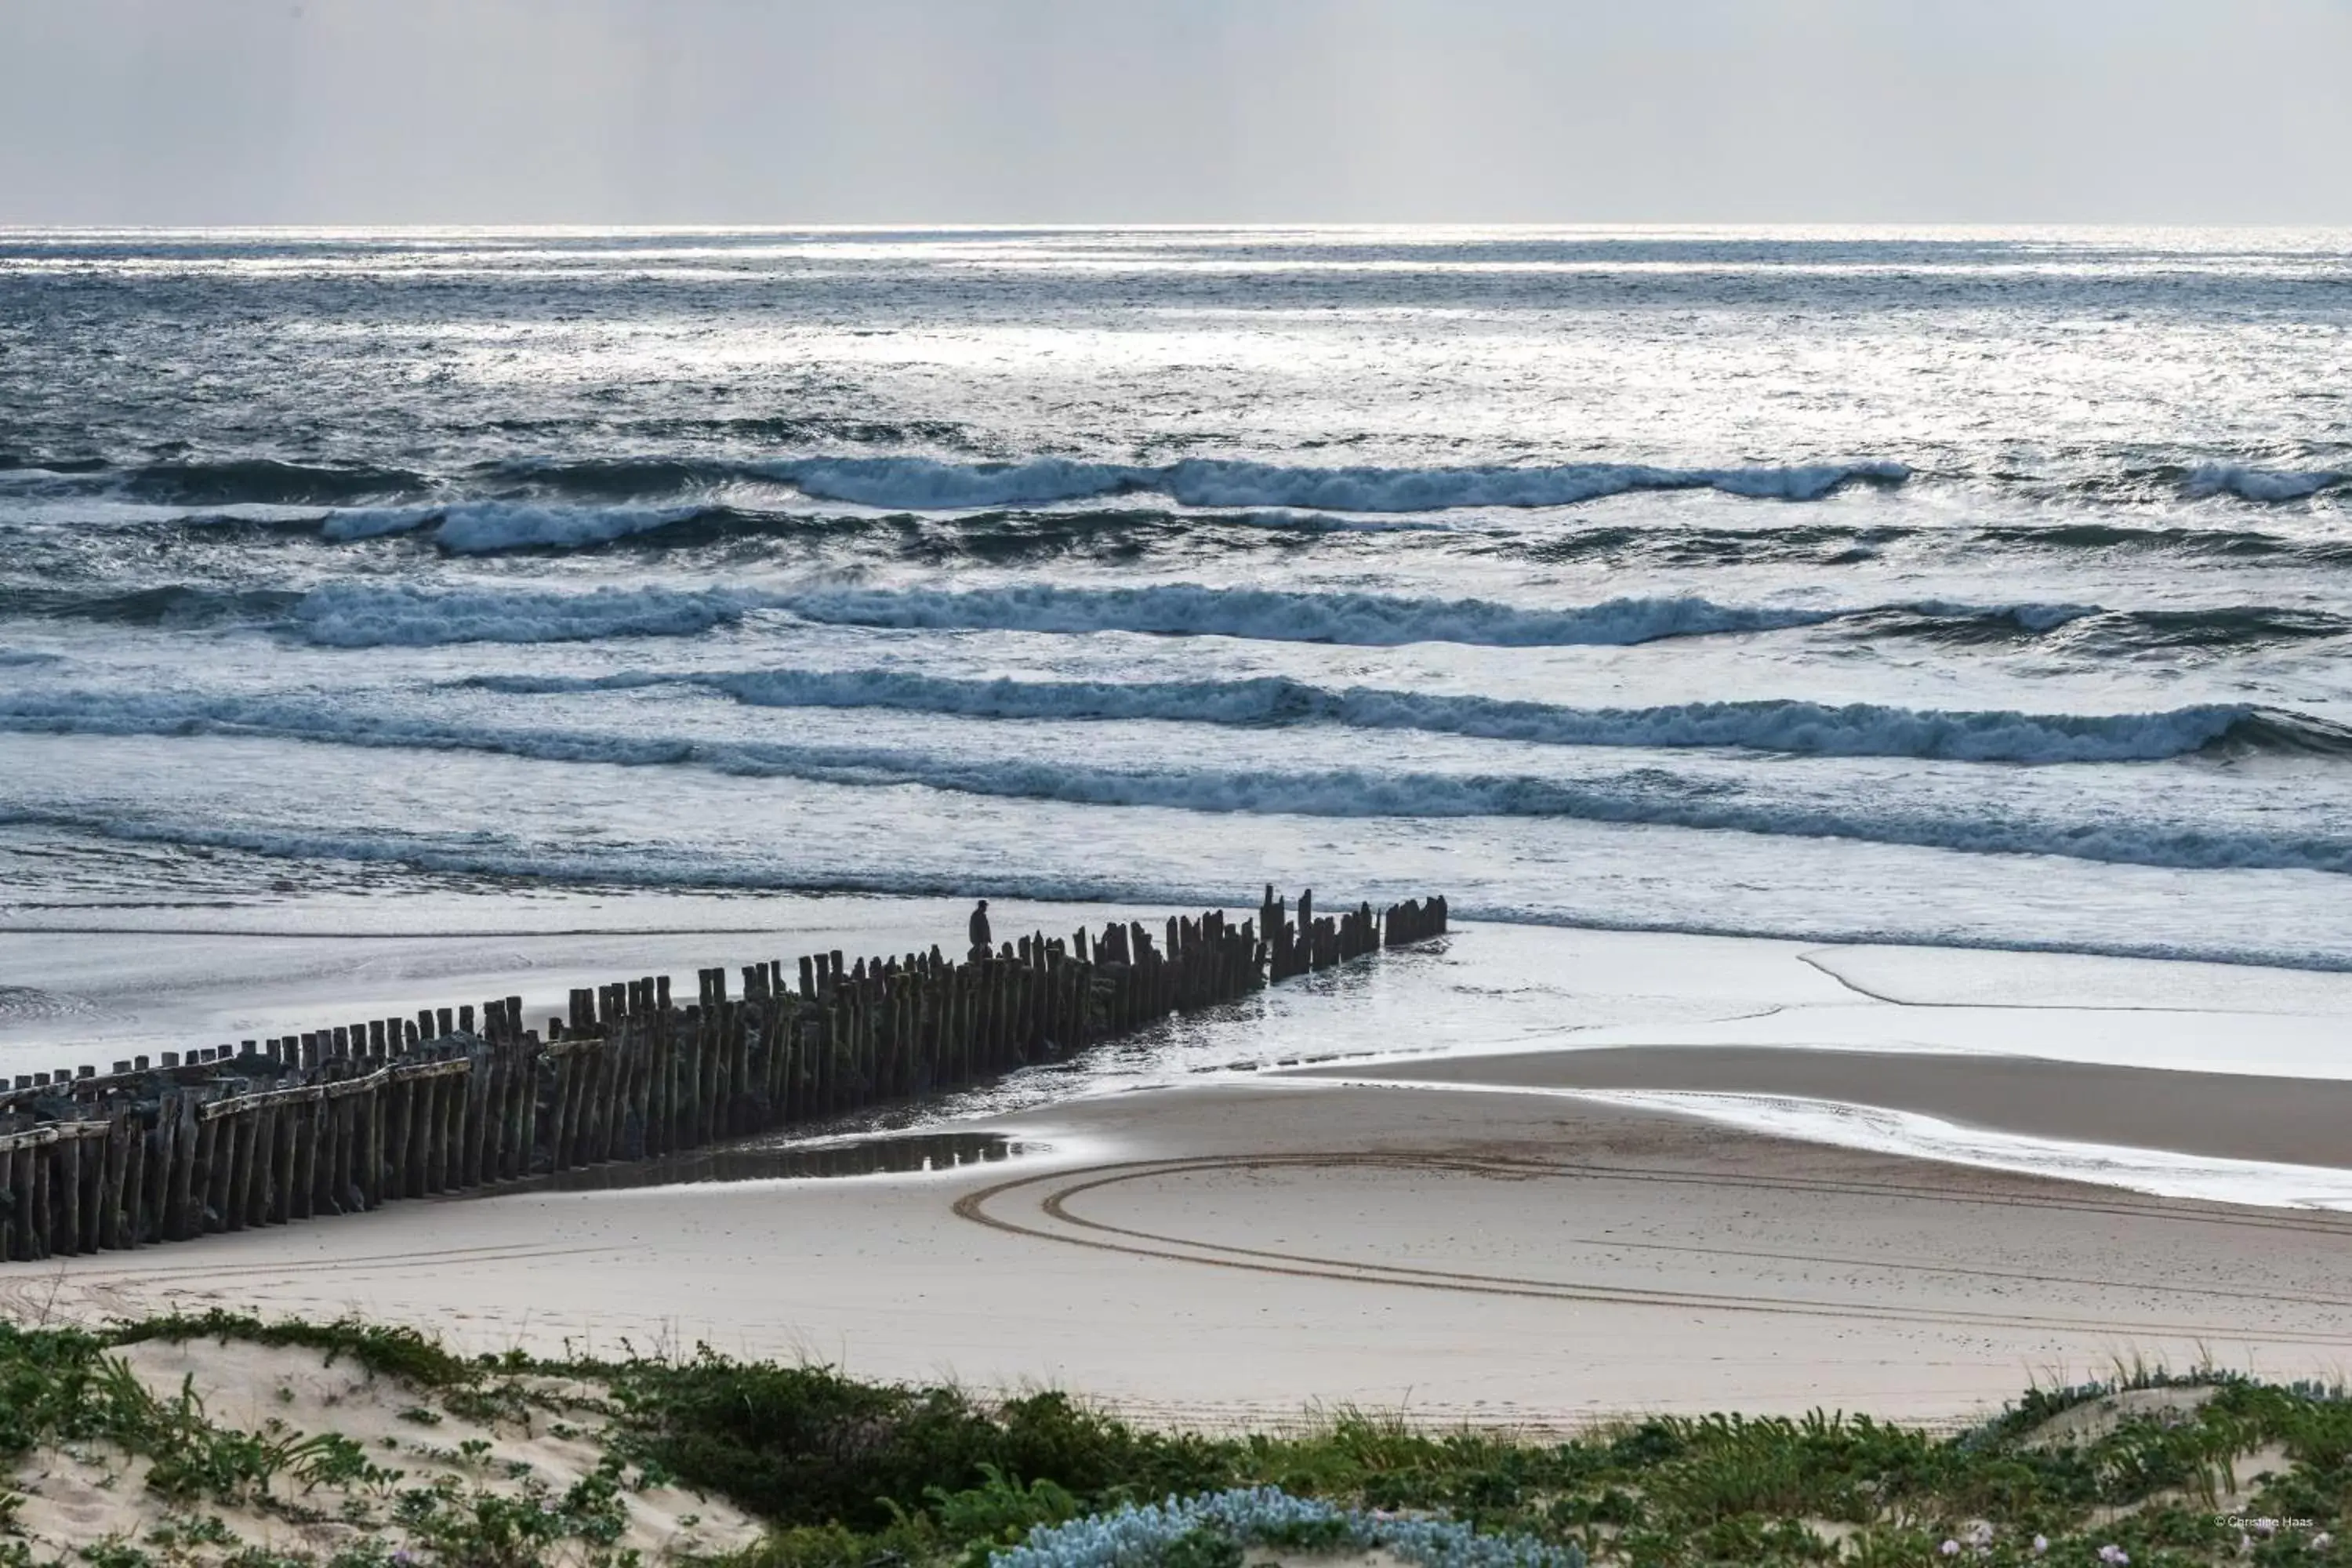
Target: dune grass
[(850, 1474)]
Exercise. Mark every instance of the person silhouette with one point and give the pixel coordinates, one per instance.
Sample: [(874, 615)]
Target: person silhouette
[(980, 943)]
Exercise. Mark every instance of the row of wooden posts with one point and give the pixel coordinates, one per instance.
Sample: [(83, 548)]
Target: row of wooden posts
[(343, 1120)]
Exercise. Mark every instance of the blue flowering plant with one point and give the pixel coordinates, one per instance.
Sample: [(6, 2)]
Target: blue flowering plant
[(1215, 1530)]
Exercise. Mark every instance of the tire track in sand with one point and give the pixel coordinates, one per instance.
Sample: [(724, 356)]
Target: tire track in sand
[(983, 1208)]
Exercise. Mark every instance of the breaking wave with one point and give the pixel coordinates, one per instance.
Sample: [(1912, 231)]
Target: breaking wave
[(1183, 609), (1809, 728), (371, 613), (169, 605), (348, 614), (922, 483), (2217, 627), (482, 528), (927, 484), (2092, 630), (352, 614), (2248, 483)]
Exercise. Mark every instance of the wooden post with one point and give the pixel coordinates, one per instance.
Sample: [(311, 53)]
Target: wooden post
[(69, 1167), (236, 1135), (500, 1111), (142, 1178), (290, 1117), (439, 1091), (392, 1102), (686, 1076), (459, 1129), (264, 1185), (660, 1069), (170, 1161), (530, 1068), (424, 1108), (483, 1120), (411, 1098), (434, 1131), (559, 1126), (368, 1108), (354, 1139), (37, 1196), (424, 1131), (331, 1137), (595, 1077), (115, 1153), (206, 1182), (588, 1136)]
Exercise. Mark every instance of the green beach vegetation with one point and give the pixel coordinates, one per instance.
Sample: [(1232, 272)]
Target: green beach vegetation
[(425, 1458)]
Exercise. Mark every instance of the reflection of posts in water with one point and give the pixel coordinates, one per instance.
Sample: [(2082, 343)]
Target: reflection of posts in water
[(346, 1119)]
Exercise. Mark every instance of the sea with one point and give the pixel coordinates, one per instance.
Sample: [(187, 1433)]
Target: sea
[(1960, 588)]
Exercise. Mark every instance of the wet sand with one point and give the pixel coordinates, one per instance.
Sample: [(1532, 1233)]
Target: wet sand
[(2229, 1115)]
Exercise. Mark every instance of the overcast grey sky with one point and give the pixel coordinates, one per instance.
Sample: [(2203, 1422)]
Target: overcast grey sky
[(1033, 110)]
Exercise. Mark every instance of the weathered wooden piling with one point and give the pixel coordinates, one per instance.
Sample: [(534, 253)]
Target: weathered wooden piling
[(347, 1118)]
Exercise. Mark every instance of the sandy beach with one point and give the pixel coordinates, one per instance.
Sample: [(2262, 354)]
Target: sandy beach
[(1453, 1230)]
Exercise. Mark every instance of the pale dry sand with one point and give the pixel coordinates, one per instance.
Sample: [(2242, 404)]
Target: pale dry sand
[(1243, 1251), (88, 1493)]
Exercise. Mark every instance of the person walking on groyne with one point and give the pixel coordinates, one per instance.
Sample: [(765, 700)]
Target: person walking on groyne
[(980, 947)]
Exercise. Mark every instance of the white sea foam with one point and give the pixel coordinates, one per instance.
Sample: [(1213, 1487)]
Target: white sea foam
[(2161, 1172), (927, 484)]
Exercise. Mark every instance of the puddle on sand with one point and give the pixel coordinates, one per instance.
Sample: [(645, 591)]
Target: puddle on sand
[(898, 1153)]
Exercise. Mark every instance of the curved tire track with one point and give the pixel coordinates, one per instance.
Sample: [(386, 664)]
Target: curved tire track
[(1101, 1235)]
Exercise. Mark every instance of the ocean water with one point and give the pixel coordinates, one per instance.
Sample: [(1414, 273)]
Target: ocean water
[(1971, 588)]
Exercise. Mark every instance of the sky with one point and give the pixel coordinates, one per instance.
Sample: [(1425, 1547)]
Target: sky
[(1013, 111)]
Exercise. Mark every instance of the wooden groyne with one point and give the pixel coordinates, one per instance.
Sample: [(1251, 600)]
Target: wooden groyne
[(343, 1120)]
